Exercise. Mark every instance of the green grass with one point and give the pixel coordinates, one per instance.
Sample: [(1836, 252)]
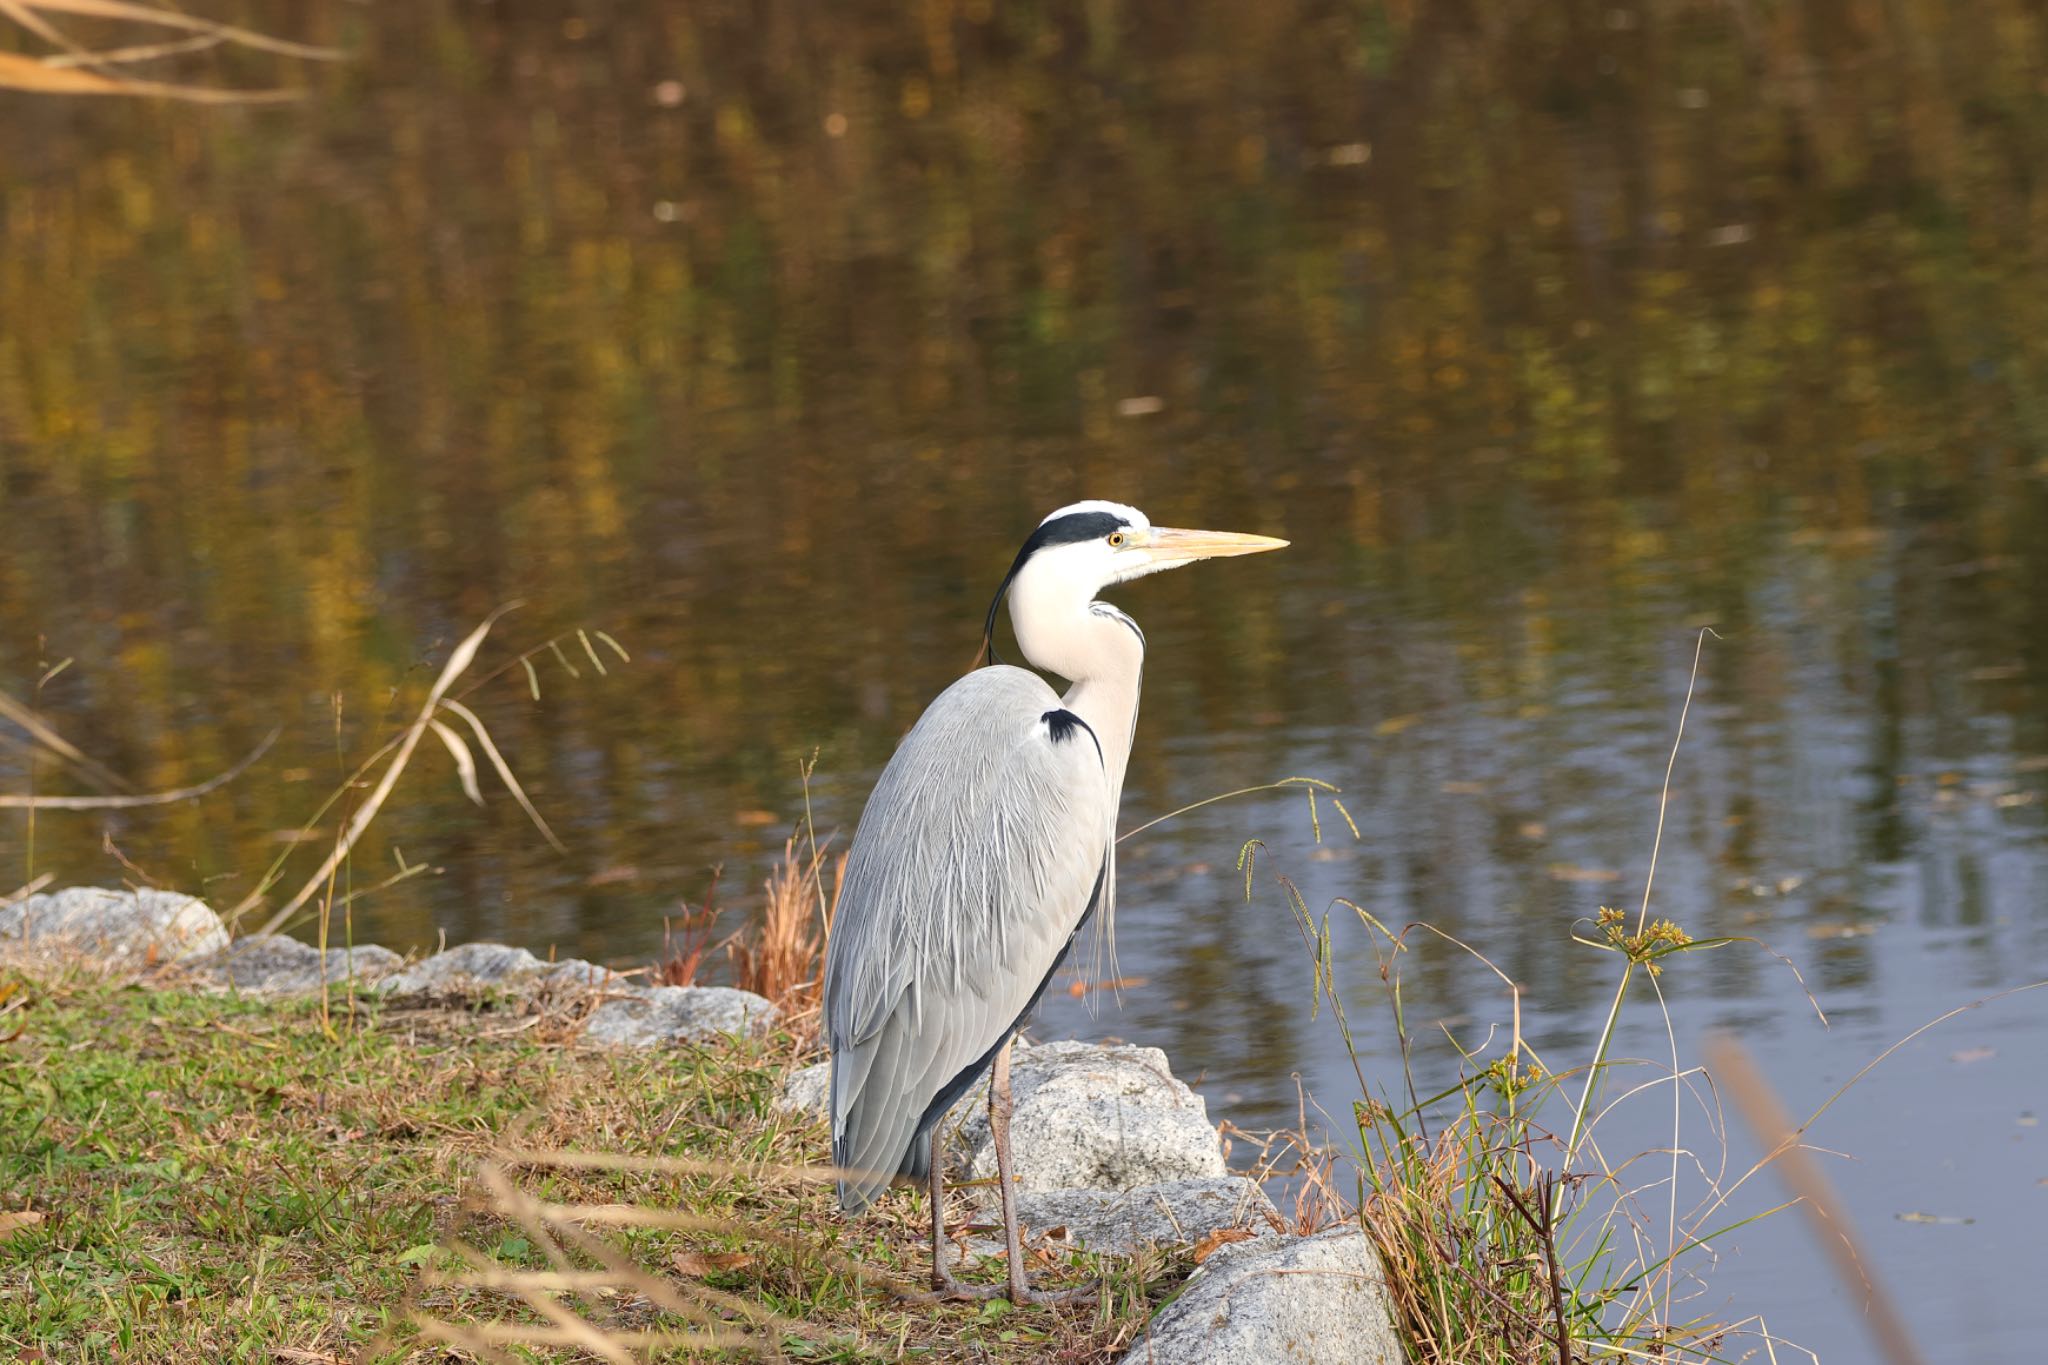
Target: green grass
[(1508, 1235), (1510, 1238), (224, 1179)]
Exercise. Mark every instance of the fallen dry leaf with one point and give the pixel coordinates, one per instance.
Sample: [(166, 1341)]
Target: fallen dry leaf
[(1566, 872), (1219, 1237), (698, 1264), (11, 1223), (1077, 989), (1834, 929)]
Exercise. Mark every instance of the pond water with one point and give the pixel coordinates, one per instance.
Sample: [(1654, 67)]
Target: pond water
[(757, 338)]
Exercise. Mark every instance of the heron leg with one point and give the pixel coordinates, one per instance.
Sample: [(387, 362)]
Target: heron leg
[(999, 1107), (943, 1280)]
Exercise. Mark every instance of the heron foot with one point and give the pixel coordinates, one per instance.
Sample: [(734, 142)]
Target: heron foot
[(946, 1285), (1087, 1294)]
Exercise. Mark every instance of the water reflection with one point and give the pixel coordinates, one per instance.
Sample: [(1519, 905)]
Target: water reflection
[(756, 336)]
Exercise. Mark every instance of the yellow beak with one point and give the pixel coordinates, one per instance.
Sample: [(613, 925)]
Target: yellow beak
[(1169, 545)]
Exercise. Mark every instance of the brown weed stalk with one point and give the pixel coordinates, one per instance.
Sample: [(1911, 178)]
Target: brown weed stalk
[(783, 959), (686, 939), (74, 68)]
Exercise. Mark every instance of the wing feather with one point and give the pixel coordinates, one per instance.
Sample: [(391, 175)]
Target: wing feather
[(976, 860)]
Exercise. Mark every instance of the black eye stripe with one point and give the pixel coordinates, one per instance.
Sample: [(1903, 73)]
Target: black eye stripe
[(1071, 528)]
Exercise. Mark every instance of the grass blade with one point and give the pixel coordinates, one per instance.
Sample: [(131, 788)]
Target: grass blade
[(37, 77), (465, 761), (1830, 1221), (461, 659), (38, 730), (10, 801), (504, 770), (164, 18)]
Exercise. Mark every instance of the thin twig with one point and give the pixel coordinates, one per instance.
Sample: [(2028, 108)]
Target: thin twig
[(1545, 1233), (40, 731), (464, 655), (11, 801), (1571, 1147), (1803, 1176), (1284, 784), (1670, 766)]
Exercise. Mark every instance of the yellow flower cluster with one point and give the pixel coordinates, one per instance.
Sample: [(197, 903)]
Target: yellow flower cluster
[(1662, 936)]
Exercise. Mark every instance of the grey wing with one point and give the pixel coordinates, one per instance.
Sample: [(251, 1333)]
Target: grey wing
[(988, 837)]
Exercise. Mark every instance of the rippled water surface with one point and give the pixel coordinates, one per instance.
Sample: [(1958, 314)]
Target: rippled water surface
[(758, 336)]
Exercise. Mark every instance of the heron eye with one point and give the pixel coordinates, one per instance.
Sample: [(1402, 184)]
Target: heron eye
[(1116, 539)]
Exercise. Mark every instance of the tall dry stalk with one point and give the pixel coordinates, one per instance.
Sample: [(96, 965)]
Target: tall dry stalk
[(77, 69), (784, 960), (465, 764)]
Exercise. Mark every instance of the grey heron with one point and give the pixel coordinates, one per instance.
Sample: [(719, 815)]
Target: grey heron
[(989, 840)]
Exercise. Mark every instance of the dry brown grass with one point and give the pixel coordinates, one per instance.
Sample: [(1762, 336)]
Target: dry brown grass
[(109, 67), (783, 959), (686, 939)]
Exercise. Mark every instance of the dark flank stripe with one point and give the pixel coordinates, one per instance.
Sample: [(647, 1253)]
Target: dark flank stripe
[(917, 1161)]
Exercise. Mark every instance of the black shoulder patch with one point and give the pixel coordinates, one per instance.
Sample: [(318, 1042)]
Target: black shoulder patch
[(1061, 723)]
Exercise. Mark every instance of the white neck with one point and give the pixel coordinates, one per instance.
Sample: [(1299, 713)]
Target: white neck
[(1095, 647)]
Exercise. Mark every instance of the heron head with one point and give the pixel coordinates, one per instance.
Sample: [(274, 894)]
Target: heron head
[(1088, 546)]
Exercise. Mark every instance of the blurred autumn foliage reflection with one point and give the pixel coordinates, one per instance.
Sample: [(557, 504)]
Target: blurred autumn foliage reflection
[(755, 332)]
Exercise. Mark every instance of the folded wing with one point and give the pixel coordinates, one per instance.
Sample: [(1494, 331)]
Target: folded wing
[(987, 842)]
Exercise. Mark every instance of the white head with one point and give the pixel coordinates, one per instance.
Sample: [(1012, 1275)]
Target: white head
[(1087, 546)]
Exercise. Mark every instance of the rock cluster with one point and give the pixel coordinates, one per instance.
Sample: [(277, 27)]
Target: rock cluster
[(1111, 1151), (649, 1017), (162, 927), (1297, 1299), (629, 1014), (279, 965), (140, 927), (1096, 1117)]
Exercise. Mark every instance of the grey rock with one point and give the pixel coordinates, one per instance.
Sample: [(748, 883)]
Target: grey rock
[(276, 963), (1091, 1117), (120, 928), (808, 1090), (1306, 1300), (472, 964), (1172, 1213), (676, 1014), (573, 973), (496, 964)]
